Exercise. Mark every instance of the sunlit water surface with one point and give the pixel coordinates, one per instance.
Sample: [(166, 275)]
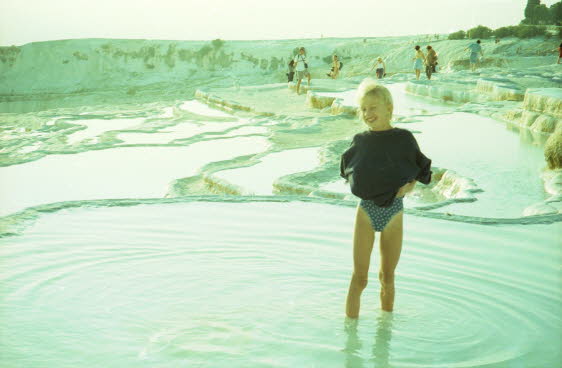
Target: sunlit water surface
[(263, 284)]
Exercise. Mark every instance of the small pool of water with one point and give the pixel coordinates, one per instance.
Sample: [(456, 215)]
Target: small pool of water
[(264, 284), (258, 179), (505, 168), (200, 108), (95, 127), (127, 172), (179, 131)]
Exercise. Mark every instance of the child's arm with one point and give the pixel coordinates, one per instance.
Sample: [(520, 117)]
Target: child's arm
[(343, 164), (422, 162), (406, 188), (345, 159)]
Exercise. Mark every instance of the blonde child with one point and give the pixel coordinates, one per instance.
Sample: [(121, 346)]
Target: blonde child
[(381, 165)]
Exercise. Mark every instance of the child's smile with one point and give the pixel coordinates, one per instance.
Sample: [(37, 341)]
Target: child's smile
[(375, 113)]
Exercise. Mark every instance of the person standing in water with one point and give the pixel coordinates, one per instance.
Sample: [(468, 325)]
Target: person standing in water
[(474, 48), (380, 68), (419, 61), (382, 165), (559, 53), (301, 67), (431, 61)]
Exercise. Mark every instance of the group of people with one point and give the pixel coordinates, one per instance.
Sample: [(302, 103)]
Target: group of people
[(381, 186), (423, 61), (298, 66)]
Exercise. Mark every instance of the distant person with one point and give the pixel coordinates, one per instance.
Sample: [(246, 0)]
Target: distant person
[(301, 67), (380, 67), (419, 61), (474, 48), (382, 164), (559, 53), (291, 71), (431, 61), (335, 71)]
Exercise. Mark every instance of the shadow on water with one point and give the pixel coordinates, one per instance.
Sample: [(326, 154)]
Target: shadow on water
[(380, 352)]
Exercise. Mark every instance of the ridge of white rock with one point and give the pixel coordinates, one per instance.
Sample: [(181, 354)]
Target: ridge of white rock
[(540, 111)]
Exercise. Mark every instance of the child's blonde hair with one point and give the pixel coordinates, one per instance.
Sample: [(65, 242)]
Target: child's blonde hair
[(369, 87)]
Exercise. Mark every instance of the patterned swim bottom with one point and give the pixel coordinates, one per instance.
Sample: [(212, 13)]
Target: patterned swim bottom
[(380, 216)]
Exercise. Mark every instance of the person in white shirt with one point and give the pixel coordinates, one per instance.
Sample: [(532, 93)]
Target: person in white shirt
[(301, 68)]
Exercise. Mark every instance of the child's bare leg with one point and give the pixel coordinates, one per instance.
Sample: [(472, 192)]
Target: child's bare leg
[(299, 86), (363, 239), (390, 248)]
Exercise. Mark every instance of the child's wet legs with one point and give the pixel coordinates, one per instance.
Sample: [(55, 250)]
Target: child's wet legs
[(363, 239), (390, 249)]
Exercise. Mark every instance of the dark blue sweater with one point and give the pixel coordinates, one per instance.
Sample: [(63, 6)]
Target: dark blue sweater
[(378, 163)]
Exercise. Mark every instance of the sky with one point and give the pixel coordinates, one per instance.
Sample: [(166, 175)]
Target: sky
[(23, 21)]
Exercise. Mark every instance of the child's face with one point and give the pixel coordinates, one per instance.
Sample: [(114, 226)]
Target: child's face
[(375, 112)]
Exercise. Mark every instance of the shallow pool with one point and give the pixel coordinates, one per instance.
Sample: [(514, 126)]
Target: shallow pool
[(259, 178), (94, 127), (178, 131), (263, 284), (127, 172)]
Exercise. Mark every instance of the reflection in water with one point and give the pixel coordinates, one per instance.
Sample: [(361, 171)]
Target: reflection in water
[(380, 354), (383, 335), (528, 136), (353, 345)]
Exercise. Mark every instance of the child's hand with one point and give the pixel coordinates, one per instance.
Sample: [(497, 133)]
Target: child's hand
[(406, 188)]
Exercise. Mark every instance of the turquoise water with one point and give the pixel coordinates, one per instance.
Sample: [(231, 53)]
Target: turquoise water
[(113, 173), (258, 179), (126, 242), (261, 284)]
